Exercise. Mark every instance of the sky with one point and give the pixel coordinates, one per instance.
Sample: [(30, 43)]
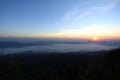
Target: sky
[(74, 19)]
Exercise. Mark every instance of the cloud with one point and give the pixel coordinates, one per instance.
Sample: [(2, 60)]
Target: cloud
[(57, 48), (81, 16), (88, 32), (93, 29), (104, 8), (71, 13), (75, 14)]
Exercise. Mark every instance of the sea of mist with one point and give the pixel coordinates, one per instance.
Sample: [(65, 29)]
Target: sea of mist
[(58, 47), (18, 45)]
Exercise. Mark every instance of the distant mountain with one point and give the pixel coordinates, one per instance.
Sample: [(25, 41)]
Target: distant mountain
[(14, 44), (110, 43)]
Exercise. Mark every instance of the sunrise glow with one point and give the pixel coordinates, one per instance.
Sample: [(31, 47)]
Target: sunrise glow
[(95, 38)]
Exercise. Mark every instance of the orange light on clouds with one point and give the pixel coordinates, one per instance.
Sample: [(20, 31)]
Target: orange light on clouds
[(94, 32)]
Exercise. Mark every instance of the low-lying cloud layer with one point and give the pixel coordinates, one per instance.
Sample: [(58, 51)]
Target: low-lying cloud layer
[(58, 48)]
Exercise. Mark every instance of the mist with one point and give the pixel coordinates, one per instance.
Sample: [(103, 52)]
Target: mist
[(58, 48)]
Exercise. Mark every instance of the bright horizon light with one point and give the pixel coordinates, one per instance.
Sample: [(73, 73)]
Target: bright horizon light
[(103, 32), (95, 38)]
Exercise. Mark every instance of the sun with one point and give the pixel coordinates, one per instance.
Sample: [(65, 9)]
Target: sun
[(95, 38)]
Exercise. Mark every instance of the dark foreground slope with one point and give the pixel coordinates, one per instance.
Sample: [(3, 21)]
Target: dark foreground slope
[(61, 66)]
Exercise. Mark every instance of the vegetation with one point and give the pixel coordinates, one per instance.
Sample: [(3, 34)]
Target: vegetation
[(51, 67)]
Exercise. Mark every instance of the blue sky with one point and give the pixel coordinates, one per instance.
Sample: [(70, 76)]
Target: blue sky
[(60, 18)]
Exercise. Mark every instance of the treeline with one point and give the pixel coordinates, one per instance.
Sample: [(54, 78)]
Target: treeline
[(21, 69)]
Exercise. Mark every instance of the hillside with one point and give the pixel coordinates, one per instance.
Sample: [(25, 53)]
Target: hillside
[(60, 66)]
